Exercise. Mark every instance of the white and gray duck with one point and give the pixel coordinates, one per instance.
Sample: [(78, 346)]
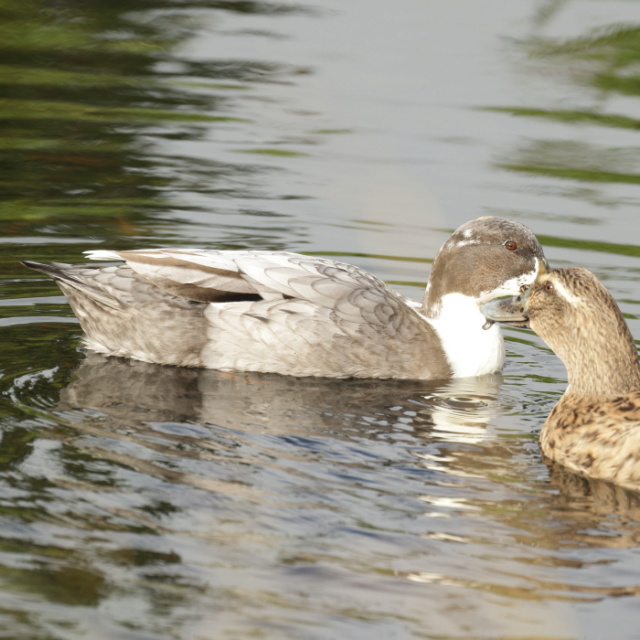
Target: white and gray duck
[(301, 315), (594, 430)]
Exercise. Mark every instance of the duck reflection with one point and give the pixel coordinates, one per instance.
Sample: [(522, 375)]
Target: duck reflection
[(172, 422), (203, 415), (601, 498), (128, 392), (271, 457)]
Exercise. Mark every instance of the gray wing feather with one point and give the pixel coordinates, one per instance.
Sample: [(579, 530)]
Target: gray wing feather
[(309, 316)]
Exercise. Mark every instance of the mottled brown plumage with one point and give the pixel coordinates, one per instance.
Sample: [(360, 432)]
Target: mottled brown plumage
[(594, 429)]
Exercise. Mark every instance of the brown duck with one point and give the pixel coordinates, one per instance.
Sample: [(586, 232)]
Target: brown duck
[(594, 429)]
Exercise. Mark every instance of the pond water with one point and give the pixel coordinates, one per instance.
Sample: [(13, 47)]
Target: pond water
[(142, 502)]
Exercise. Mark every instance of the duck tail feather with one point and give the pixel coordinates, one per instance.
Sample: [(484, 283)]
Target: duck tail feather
[(63, 274), (55, 269)]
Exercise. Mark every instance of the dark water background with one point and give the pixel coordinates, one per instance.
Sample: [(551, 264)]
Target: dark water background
[(141, 502)]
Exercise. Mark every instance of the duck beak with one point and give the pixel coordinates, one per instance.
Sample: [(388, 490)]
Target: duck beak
[(511, 310), (507, 311)]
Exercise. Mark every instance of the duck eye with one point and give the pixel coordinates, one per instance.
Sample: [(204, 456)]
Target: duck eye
[(548, 287), (511, 245)]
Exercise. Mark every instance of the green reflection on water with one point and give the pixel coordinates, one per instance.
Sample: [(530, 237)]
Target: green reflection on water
[(572, 160), (41, 110), (272, 152), (612, 50), (85, 98), (573, 116), (572, 173), (607, 60)]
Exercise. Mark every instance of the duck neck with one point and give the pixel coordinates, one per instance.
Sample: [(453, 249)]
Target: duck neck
[(601, 364), (470, 349)]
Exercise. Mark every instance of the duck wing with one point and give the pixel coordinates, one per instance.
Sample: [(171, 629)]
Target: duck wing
[(289, 313), (200, 276), (224, 276), (596, 437)]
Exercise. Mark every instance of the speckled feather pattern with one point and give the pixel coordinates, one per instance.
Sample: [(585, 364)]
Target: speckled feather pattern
[(596, 437)]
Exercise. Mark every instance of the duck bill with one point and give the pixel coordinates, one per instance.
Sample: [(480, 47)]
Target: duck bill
[(507, 311)]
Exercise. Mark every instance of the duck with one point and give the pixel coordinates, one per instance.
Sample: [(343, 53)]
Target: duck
[(299, 315), (594, 429)]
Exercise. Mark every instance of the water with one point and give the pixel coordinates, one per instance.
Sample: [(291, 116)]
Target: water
[(145, 502)]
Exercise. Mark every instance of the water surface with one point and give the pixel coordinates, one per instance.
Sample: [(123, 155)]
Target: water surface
[(139, 501)]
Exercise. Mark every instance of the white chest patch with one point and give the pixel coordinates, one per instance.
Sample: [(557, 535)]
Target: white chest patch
[(471, 350)]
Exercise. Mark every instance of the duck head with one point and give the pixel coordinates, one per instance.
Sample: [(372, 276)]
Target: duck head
[(578, 318), (484, 259)]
